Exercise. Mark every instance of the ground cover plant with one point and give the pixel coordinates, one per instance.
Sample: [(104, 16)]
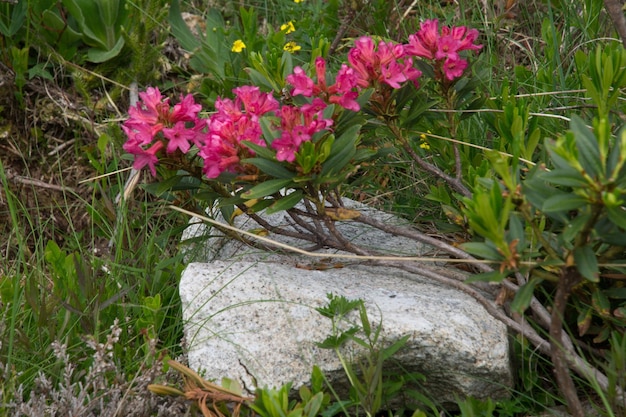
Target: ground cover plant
[(496, 127)]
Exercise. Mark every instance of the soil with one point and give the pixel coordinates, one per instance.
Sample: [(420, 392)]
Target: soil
[(44, 142)]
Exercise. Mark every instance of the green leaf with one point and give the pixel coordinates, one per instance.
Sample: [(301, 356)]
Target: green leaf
[(617, 156), (17, 19), (563, 202), (617, 215), (275, 169), (342, 151), (587, 144), (516, 231), (587, 263), (100, 22), (102, 55), (601, 303), (573, 227), (620, 312), (365, 321), (524, 296), (169, 184), (317, 379), (616, 292), (286, 202), (180, 30), (482, 249), (389, 351), (260, 151), (584, 321), (260, 79), (313, 406), (567, 177), (266, 188)]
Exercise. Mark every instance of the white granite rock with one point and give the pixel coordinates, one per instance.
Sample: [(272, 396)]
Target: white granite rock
[(250, 315)]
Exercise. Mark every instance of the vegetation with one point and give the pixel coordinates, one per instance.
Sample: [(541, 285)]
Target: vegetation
[(519, 159)]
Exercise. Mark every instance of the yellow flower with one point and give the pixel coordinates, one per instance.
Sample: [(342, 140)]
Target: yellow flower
[(298, 1), (289, 27), (423, 142), (238, 46), (291, 47)]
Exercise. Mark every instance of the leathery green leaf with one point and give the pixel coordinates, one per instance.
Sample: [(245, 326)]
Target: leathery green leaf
[(587, 263), (266, 188)]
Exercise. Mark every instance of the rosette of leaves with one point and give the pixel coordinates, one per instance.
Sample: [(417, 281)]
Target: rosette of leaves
[(100, 23)]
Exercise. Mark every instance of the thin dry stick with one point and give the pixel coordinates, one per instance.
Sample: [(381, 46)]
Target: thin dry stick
[(293, 249), (455, 183), (38, 183)]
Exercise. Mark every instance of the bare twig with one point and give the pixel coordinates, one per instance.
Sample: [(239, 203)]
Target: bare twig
[(568, 280), (455, 183), (41, 184)]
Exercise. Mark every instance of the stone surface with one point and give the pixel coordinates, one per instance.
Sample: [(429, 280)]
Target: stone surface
[(250, 315)]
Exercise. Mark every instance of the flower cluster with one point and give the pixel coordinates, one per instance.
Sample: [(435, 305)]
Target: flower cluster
[(343, 91), (154, 124), (298, 125), (443, 46), (236, 121), (389, 63)]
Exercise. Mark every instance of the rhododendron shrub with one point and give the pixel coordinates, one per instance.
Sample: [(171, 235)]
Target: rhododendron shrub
[(561, 220), (256, 135)]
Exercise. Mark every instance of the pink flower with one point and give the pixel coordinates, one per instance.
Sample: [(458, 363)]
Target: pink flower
[(139, 134), (447, 47), (288, 144), (179, 137), (228, 108), (303, 85), (148, 157), (346, 80), (386, 64), (466, 38), (389, 52), (424, 42), (218, 156), (364, 68), (443, 47), (234, 123), (342, 92), (453, 68), (186, 110), (298, 125), (151, 108), (254, 101), (153, 124), (347, 100), (365, 46), (320, 72), (344, 88)]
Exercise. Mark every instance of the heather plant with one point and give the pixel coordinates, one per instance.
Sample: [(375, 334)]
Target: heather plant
[(98, 388)]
